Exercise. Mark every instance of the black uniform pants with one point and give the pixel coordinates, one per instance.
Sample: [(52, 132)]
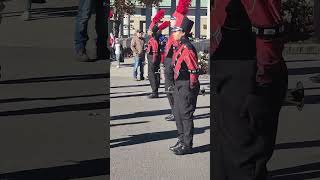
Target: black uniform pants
[(245, 120), (169, 80), (185, 101), (154, 74)]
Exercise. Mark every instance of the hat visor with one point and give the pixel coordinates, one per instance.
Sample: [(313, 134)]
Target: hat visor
[(175, 29)]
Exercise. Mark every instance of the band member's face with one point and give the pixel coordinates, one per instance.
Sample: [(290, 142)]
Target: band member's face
[(149, 33), (178, 35), (172, 22)]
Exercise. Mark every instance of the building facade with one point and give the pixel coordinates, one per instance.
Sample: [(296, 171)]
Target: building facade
[(198, 13)]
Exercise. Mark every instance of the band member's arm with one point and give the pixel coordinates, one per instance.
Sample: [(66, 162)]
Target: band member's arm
[(155, 57), (192, 63), (155, 51), (162, 58)]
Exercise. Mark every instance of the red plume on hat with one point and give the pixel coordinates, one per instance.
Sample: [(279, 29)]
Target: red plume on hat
[(181, 11), (164, 25), (183, 6), (180, 15), (110, 14), (160, 14)]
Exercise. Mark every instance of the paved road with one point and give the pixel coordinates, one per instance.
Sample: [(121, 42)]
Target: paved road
[(53, 112), (53, 120), (140, 136), (297, 154)]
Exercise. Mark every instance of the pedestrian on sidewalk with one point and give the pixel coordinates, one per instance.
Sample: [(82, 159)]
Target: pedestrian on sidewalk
[(118, 51), (86, 7), (137, 47)]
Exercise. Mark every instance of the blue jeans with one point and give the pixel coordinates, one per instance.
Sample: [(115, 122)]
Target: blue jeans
[(138, 62), (118, 58), (27, 5), (86, 8)]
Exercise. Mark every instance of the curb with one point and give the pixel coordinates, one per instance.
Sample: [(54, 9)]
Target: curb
[(296, 49)]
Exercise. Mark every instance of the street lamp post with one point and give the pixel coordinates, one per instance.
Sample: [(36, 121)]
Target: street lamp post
[(197, 19), (208, 19)]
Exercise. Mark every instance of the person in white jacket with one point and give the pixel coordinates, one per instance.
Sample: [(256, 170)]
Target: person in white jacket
[(117, 47)]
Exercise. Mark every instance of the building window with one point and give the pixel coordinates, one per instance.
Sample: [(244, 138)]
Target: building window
[(204, 26)]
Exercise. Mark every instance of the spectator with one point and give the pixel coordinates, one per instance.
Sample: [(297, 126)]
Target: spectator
[(137, 47), (86, 7), (118, 51)]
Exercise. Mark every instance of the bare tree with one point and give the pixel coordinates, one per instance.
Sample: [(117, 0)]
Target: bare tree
[(119, 9)]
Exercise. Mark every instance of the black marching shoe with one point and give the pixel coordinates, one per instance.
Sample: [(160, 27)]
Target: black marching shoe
[(182, 150), (169, 118), (153, 95), (178, 144)]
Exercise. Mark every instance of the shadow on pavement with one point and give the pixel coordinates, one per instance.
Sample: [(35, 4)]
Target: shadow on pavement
[(312, 88), (146, 114), (57, 78), (202, 116), (307, 171), (124, 124), (304, 71), (295, 145), (44, 13), (82, 169), (312, 99), (49, 98), (202, 149), (315, 79), (55, 109), (151, 137), (141, 85)]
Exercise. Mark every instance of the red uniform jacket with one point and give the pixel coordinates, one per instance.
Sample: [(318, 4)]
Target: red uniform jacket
[(262, 14), (153, 48), (169, 47), (186, 53)]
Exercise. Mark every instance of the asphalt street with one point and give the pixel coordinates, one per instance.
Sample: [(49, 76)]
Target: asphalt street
[(53, 115), (140, 136), (54, 112)]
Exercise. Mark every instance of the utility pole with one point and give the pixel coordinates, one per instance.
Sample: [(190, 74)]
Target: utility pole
[(208, 19), (197, 22)]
